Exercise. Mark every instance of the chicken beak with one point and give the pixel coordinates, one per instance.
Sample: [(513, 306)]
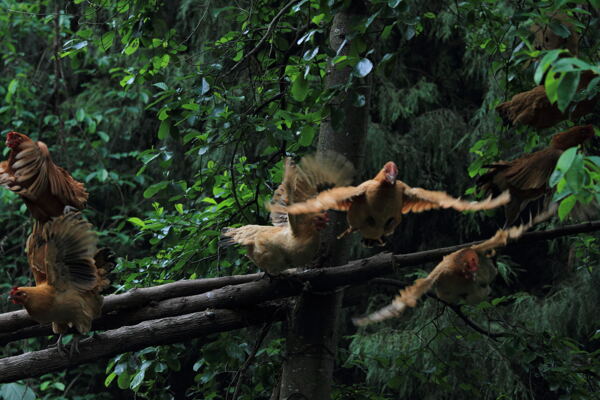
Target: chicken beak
[(390, 178)]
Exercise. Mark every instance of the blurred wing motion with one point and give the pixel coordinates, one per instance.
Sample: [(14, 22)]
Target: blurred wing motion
[(526, 178), (70, 272), (533, 108), (45, 187), (462, 275), (418, 200), (375, 207), (293, 240)]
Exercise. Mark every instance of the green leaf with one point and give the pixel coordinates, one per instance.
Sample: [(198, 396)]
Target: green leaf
[(179, 208), (137, 380), (393, 3), (566, 206), (566, 159), (164, 129), (12, 86), (560, 29), (191, 106), (107, 40), (567, 89), (132, 47), (109, 379), (102, 175), (137, 221), (363, 68), (307, 134), (547, 60), (551, 86), (80, 115), (123, 381), (299, 88), (16, 391), (153, 189)]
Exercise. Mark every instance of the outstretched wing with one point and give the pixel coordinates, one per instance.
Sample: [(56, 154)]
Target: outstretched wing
[(533, 171), (70, 251), (339, 198), (408, 296), (418, 200), (502, 236)]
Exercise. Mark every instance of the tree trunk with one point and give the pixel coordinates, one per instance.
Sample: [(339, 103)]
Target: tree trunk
[(313, 333)]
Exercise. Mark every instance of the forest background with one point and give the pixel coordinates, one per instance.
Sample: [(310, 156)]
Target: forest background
[(177, 116)]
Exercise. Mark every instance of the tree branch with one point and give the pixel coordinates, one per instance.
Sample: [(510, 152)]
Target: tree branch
[(137, 298), (120, 310), (148, 333)]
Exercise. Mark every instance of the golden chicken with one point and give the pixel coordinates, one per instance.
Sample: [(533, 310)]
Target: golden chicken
[(526, 178), (293, 240), (45, 187), (69, 274), (375, 207), (464, 275), (533, 108)]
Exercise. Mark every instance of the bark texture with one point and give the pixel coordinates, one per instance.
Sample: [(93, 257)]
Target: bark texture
[(313, 328)]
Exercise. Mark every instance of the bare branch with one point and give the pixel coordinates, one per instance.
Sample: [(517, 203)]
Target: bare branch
[(132, 338)]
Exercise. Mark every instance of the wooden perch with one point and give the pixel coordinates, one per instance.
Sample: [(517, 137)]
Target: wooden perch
[(136, 298), (132, 338), (251, 290)]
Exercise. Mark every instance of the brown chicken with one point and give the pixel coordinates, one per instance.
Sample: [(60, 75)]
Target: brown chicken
[(375, 207), (69, 275), (546, 39), (293, 240), (533, 108), (45, 187), (527, 176), (464, 275)]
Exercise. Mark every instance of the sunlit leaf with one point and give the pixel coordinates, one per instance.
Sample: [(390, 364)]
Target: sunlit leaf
[(363, 68)]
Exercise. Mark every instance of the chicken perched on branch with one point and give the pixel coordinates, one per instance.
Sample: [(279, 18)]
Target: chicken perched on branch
[(464, 275), (375, 207), (533, 108), (527, 176), (45, 187), (293, 240), (69, 274)]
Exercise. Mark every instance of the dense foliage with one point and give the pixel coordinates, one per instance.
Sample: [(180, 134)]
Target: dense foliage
[(177, 114)]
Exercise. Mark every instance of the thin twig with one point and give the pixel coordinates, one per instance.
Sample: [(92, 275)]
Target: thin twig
[(239, 375), (264, 38)]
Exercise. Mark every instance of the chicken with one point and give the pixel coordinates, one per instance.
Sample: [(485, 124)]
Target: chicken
[(464, 275), (69, 275), (533, 108), (526, 178), (293, 240), (375, 207), (546, 39), (45, 187)]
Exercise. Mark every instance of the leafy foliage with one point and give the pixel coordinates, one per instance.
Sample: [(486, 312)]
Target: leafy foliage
[(177, 115)]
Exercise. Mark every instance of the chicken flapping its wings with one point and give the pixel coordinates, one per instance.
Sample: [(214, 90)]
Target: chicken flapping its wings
[(70, 247), (31, 173), (464, 261)]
